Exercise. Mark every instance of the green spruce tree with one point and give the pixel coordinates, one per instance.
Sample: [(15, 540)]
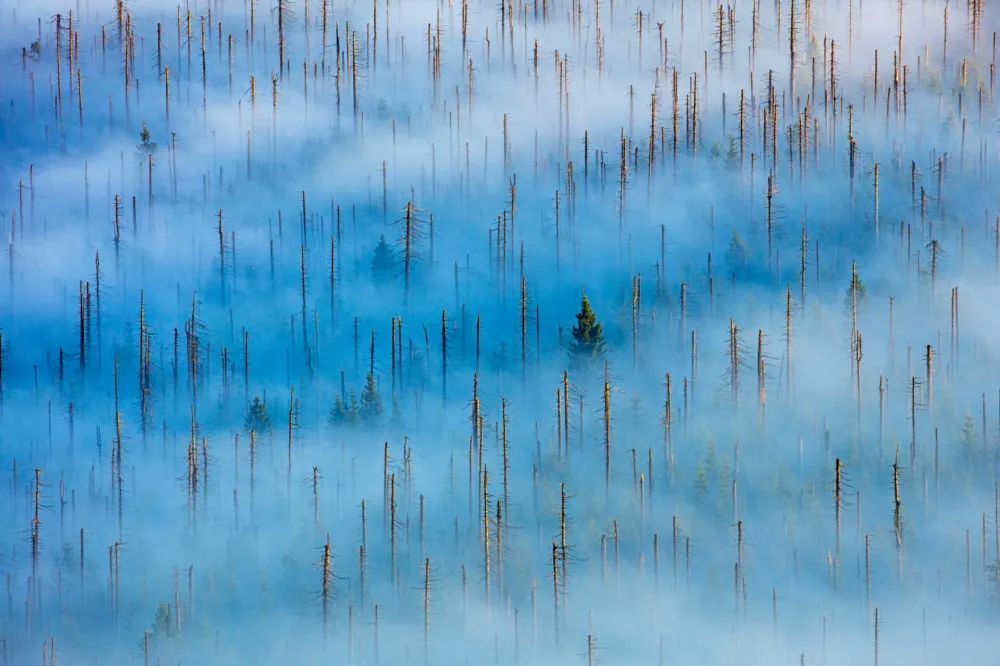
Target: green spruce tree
[(371, 402), (383, 261), (338, 413), (856, 291), (587, 344), (344, 412), (257, 418), (738, 254), (352, 411), (968, 434), (146, 146)]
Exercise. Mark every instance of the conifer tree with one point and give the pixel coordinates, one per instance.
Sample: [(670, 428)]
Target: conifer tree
[(968, 440), (383, 261), (587, 344), (352, 410), (338, 412), (344, 411), (257, 418), (856, 291), (147, 146), (371, 402), (738, 253)]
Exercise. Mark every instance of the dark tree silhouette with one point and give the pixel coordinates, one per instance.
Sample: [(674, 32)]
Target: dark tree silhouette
[(257, 417), (383, 261), (371, 402), (737, 254)]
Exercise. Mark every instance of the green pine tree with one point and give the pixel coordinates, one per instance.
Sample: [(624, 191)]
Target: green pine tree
[(371, 402), (856, 290), (383, 261), (344, 412), (738, 253), (147, 146), (352, 411), (587, 344), (733, 153), (257, 417), (969, 434), (338, 413), (162, 623)]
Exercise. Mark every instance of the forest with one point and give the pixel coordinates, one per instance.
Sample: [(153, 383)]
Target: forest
[(430, 332)]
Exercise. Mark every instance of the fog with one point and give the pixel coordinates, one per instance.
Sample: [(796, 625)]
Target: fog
[(237, 428)]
